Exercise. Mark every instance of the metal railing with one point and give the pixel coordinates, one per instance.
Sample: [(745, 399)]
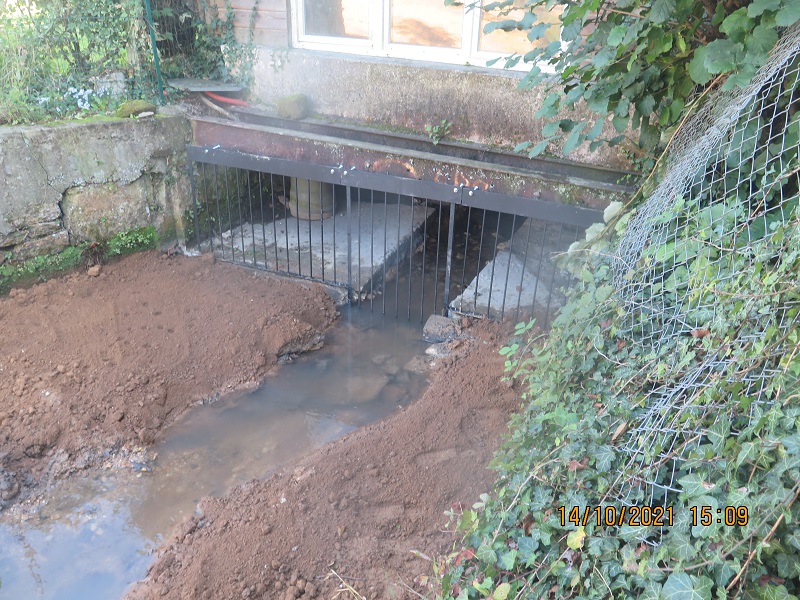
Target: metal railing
[(399, 245)]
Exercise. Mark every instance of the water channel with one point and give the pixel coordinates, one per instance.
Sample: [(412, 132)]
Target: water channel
[(96, 533)]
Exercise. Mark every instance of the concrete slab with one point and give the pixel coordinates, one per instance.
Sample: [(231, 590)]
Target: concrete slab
[(318, 249), (487, 293)]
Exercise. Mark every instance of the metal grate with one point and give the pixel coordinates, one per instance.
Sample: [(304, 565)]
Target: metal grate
[(405, 247)]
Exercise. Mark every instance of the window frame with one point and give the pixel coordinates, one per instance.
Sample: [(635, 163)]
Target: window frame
[(379, 44)]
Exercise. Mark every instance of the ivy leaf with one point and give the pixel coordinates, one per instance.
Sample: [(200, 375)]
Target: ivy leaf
[(527, 547), (680, 586), (540, 147), (507, 560), (603, 458), (486, 554), (788, 15), (694, 485), (502, 591), (575, 538), (737, 24), (662, 11)]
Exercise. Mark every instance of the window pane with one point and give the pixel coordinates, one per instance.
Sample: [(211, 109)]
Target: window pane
[(507, 42), (426, 23), (338, 18)]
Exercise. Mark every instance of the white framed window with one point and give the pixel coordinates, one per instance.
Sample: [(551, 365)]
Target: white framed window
[(414, 29)]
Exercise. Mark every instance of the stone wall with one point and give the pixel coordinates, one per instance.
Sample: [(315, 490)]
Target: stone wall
[(85, 181)]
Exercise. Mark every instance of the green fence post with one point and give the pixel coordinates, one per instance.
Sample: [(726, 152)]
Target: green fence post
[(152, 27)]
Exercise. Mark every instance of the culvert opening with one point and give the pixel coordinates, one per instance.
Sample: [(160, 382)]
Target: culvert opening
[(404, 247)]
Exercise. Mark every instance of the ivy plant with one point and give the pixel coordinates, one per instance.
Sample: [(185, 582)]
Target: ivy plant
[(639, 63)]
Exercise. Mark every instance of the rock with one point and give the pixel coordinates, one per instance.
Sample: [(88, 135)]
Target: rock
[(145, 114), (93, 271), (292, 107), (418, 364), (132, 108), (439, 350), (440, 329)]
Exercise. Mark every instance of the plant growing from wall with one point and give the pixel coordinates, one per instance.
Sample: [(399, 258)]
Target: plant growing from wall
[(438, 132)]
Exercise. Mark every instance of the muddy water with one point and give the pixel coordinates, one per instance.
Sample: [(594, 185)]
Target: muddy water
[(95, 534)]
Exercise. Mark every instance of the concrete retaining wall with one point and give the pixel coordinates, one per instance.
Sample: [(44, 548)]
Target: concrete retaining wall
[(484, 105), (84, 181)]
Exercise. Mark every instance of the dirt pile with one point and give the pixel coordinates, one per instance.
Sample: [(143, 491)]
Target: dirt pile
[(90, 363), (359, 506)]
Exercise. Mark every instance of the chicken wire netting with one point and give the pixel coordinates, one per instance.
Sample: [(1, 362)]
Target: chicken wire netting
[(723, 218)]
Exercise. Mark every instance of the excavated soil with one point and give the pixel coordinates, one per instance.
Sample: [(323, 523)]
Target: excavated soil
[(364, 507), (93, 366)]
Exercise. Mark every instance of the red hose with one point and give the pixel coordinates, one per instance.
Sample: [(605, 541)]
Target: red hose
[(225, 99)]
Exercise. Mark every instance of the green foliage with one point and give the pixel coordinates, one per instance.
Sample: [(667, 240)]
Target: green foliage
[(71, 59), (39, 267), (130, 241), (438, 132), (733, 243), (640, 62)]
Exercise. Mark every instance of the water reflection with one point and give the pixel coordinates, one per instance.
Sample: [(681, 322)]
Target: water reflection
[(95, 535)]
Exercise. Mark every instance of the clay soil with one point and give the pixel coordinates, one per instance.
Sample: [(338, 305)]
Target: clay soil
[(92, 367)]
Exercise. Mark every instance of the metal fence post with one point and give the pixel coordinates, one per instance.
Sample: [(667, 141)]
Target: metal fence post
[(449, 263)]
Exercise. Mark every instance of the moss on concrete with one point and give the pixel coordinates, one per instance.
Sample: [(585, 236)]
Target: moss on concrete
[(131, 108), (295, 107)]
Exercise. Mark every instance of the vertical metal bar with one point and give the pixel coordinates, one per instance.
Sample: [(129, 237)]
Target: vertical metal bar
[(349, 241), (274, 219), (209, 218), (193, 184), (539, 269), (524, 265), (156, 61), (322, 224), (297, 223), (239, 210), (494, 264), (230, 217), (217, 193), (286, 213), (466, 252), (334, 244), (263, 224), (480, 252), (508, 267), (424, 251), (553, 278), (449, 263), (397, 263), (358, 211), (252, 224), (308, 212), (372, 250), (385, 239), (410, 256), (438, 247)]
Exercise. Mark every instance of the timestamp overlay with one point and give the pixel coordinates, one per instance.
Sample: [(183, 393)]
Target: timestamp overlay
[(651, 516)]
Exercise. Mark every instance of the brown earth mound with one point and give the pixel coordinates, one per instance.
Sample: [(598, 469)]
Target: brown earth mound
[(89, 363), (359, 506)]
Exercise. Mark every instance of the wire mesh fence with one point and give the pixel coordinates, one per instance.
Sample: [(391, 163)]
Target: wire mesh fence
[(704, 276)]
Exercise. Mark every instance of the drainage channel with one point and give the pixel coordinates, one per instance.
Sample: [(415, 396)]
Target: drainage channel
[(95, 534)]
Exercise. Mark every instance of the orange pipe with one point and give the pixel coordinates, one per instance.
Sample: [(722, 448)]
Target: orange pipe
[(225, 99)]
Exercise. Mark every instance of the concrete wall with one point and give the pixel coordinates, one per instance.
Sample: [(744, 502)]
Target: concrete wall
[(78, 181), (484, 105)]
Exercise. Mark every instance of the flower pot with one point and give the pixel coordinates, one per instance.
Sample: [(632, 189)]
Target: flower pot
[(310, 200)]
